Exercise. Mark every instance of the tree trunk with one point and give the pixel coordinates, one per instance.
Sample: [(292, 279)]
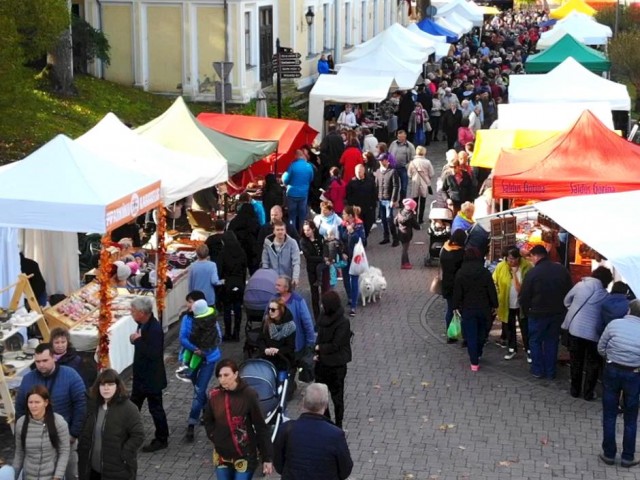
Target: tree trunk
[(60, 62)]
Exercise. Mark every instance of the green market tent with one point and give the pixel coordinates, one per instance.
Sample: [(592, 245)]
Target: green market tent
[(177, 129), (566, 47)]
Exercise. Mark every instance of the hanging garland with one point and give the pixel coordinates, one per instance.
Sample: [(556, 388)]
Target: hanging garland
[(162, 261), (106, 295)]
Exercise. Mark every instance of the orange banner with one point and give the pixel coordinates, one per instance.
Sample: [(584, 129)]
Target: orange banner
[(128, 208), (548, 190)]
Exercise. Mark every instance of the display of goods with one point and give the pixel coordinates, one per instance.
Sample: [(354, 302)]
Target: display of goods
[(90, 294), (75, 308)]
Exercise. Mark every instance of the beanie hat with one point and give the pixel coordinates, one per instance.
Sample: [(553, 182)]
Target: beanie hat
[(409, 204), (134, 267), (123, 272), (200, 307)]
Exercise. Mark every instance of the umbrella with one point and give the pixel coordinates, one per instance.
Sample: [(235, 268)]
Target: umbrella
[(261, 105)]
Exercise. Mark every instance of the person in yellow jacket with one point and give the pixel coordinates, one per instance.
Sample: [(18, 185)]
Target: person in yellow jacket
[(508, 277)]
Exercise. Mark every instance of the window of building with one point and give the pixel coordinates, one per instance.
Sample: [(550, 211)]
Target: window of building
[(363, 22), (248, 60), (311, 36), (326, 27), (347, 25)]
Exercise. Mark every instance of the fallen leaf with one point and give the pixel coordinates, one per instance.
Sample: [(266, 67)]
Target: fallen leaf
[(546, 465), (372, 419), (451, 425), (377, 386), (394, 381), (505, 463), (544, 440), (425, 384), (408, 476), (446, 426), (461, 447)]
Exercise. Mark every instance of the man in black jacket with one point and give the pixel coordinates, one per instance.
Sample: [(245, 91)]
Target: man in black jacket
[(311, 447), (361, 191), (388, 186), (331, 148), (149, 376), (542, 301)]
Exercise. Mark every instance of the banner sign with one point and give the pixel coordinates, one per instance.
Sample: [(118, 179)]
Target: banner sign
[(128, 208)]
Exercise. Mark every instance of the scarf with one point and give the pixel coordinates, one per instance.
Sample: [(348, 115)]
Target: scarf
[(281, 331), (419, 118)]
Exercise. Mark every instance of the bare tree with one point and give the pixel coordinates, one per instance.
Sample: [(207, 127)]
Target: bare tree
[(60, 61)]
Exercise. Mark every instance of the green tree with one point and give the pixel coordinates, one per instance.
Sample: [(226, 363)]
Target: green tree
[(28, 28), (625, 58), (89, 44), (628, 18)]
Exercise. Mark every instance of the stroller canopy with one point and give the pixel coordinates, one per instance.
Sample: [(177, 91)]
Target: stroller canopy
[(260, 289)]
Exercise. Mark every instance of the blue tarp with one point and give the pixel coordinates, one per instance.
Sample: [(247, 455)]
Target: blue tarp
[(548, 23), (431, 27)]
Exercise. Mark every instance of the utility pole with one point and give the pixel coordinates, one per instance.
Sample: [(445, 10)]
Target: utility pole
[(278, 80)]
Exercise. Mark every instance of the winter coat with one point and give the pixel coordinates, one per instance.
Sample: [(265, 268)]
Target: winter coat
[(267, 229), (215, 244), (615, 306), (149, 374), (402, 152), (327, 224), (451, 257), (619, 341), (39, 459), (451, 122), (350, 240), (204, 330), (460, 222), (285, 261), (286, 346), (272, 194), (544, 288), (420, 172), (331, 149), (122, 437), (298, 178), (584, 314), (336, 193), (245, 226), (473, 287), (312, 448), (67, 392), (406, 222), (248, 432), (232, 267), (351, 157), (334, 339), (413, 121), (459, 192), (502, 277), (363, 193), (313, 252), (305, 334), (211, 355), (71, 359), (387, 184)]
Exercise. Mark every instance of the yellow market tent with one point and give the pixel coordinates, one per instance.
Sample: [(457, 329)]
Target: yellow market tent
[(571, 6)]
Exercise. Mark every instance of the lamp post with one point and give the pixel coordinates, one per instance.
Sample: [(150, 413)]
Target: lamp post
[(309, 16)]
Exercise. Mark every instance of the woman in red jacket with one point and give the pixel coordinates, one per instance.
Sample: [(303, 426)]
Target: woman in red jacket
[(351, 157), (337, 190)]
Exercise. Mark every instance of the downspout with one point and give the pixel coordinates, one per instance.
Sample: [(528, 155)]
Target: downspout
[(226, 34), (99, 2), (337, 48)]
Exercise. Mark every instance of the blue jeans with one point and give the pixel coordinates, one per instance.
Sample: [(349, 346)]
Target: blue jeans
[(544, 336), (200, 378), (224, 472), (404, 181), (614, 381), (474, 330), (297, 211), (351, 286), (386, 215)]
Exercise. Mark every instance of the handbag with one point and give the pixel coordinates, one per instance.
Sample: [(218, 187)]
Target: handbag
[(427, 126), (436, 284)]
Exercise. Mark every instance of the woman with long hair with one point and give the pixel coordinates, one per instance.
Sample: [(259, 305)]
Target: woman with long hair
[(337, 188), (235, 425), (232, 267), (312, 246), (42, 439), (277, 340), (112, 433), (351, 231)]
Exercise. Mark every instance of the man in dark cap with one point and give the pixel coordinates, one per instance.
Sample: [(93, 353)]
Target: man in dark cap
[(542, 301)]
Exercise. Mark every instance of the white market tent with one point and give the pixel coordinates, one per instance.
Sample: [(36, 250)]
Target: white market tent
[(382, 63), (569, 82), (452, 27), (458, 20), (581, 26), (63, 187), (181, 174), (536, 116), (468, 10), (338, 89), (397, 40), (440, 41)]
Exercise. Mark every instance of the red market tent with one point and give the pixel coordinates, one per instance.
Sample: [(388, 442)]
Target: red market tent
[(586, 159), (290, 135)]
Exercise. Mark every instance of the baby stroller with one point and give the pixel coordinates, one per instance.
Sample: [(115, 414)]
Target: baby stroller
[(260, 289), (440, 219), (271, 387)]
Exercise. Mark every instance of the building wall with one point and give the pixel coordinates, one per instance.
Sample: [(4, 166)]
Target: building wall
[(117, 21), (210, 45), (164, 47)]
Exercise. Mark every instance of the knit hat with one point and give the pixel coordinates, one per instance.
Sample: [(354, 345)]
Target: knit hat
[(123, 272), (409, 204), (134, 267), (200, 307)]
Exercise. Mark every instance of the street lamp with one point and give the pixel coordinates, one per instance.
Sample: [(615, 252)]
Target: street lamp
[(309, 16)]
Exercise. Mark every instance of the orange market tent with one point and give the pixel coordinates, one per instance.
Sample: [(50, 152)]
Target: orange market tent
[(586, 159), (290, 135), (573, 5)]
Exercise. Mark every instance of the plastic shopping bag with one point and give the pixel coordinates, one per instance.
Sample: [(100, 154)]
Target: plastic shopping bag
[(454, 332), (359, 263)]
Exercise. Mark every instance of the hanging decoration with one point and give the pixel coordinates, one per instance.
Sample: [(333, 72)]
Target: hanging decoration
[(106, 295), (161, 289)]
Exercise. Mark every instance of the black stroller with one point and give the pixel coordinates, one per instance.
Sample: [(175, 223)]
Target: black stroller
[(260, 289), (440, 219), (271, 387)]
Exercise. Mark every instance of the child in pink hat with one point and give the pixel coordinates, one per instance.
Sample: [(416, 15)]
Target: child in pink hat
[(406, 222)]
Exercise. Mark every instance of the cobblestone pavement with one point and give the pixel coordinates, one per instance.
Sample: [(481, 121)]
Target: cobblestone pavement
[(414, 410)]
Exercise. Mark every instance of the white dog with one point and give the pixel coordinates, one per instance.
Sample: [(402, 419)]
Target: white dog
[(371, 283), (365, 285), (379, 287)]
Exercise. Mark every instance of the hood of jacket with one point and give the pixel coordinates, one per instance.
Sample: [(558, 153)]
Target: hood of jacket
[(328, 319), (472, 270)]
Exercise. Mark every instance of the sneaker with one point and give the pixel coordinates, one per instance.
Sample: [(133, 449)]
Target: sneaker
[(189, 436), (352, 313), (607, 460), (385, 241), (475, 368), (501, 343), (627, 464), (529, 356), (181, 368), (154, 446), (373, 227), (184, 375), (510, 355)]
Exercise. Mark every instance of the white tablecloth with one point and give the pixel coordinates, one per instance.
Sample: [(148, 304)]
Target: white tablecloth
[(175, 300), (120, 349)]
